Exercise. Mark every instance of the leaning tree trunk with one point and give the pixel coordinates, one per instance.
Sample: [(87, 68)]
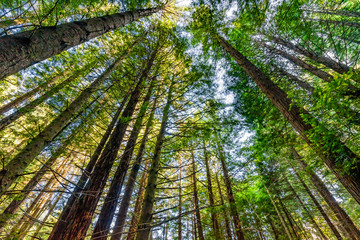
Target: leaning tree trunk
[(102, 226), (144, 226), (318, 206), (21, 50), (125, 202), (18, 164), (226, 218), (302, 84), (62, 220), (214, 220), (196, 200), (230, 194), (80, 215), (351, 230), (334, 157), (328, 62)]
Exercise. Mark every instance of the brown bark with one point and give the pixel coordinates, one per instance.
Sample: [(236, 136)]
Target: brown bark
[(352, 231), (180, 202), (289, 218), (328, 62), (318, 206), (62, 220), (21, 50), (102, 226), (80, 215), (233, 211), (144, 226), (214, 220), (125, 202), (18, 164), (196, 201), (226, 218), (273, 228), (334, 157)]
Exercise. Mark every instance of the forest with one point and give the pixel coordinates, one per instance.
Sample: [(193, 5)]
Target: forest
[(180, 119)]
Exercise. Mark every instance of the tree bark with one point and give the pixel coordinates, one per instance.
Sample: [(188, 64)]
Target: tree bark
[(144, 227), (125, 202), (226, 218), (328, 62), (102, 226), (304, 85), (80, 215), (62, 220), (180, 202), (230, 195), (318, 206), (352, 231), (21, 50), (214, 220), (196, 201), (334, 157), (19, 163)]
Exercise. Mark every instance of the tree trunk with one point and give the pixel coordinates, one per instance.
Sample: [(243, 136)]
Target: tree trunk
[(334, 157), (180, 203), (334, 22), (62, 220), (322, 235), (102, 226), (318, 206), (144, 226), (351, 230), (289, 218), (21, 50), (328, 62), (230, 195), (336, 12), (196, 200), (17, 101), (19, 163), (125, 202), (226, 218), (304, 85), (80, 215), (273, 228), (214, 220)]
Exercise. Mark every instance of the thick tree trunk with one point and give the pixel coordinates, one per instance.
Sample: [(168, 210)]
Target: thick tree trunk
[(352, 231), (318, 206), (17, 101), (138, 203), (62, 220), (226, 218), (80, 215), (334, 157), (125, 202), (21, 50), (19, 163), (322, 235), (214, 220), (230, 195), (32, 105), (196, 200), (144, 227), (328, 62), (102, 226)]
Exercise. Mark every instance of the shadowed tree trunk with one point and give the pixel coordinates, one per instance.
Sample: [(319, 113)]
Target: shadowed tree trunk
[(214, 220), (226, 218), (318, 206), (180, 203), (334, 157), (125, 202), (328, 62), (304, 85), (80, 215), (351, 230), (18, 164), (102, 226), (21, 50), (289, 218), (233, 211), (196, 201), (144, 226), (62, 220)]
